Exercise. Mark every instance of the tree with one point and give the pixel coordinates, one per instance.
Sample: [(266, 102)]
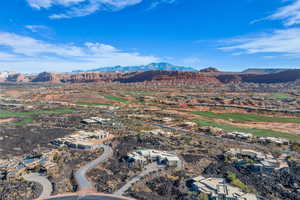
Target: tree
[(203, 196), (238, 183)]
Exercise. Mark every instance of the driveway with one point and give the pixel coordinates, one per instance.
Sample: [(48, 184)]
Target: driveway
[(148, 169), (96, 196), (37, 178), (80, 175)]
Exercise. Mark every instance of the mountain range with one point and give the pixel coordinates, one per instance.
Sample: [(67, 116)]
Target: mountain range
[(158, 73), (142, 68), (209, 75), (163, 66), (263, 70)]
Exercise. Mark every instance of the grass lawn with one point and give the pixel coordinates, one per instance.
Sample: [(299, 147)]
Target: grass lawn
[(4, 113), (26, 117), (146, 103), (138, 92), (24, 121), (281, 96), (241, 117), (27, 120), (254, 131), (114, 98), (90, 104)]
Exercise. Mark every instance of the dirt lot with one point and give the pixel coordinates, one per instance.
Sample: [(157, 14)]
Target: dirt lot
[(282, 127), (8, 120)]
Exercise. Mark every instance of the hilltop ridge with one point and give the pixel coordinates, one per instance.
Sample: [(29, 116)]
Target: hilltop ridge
[(139, 68), (159, 76)]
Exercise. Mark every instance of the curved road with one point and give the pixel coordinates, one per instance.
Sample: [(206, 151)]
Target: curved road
[(37, 178), (83, 183), (149, 168), (96, 196)]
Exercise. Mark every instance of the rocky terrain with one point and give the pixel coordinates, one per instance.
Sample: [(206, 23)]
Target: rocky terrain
[(210, 69), (209, 75), (162, 186), (19, 190), (282, 184)]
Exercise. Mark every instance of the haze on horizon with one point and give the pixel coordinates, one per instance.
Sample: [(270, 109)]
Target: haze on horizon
[(66, 35)]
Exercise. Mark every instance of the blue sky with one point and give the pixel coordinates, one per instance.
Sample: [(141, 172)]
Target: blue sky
[(65, 35)]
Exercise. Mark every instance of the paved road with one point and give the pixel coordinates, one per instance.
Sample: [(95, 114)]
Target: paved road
[(80, 175), (149, 168), (96, 196), (37, 178)]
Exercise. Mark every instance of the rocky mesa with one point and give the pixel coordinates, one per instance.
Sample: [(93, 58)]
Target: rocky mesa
[(209, 75)]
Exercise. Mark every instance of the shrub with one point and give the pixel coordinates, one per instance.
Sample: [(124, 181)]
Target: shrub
[(295, 147), (203, 196), (238, 183)]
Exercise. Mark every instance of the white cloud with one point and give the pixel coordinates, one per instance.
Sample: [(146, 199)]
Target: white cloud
[(63, 57), (38, 4), (289, 13), (190, 61), (156, 3), (32, 47), (6, 56), (285, 42), (80, 8), (36, 28), (77, 11)]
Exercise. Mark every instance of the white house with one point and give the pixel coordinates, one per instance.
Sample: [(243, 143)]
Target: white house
[(217, 188)]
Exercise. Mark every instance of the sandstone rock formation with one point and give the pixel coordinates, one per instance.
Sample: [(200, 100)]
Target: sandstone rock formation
[(17, 78), (47, 77), (210, 69), (211, 75)]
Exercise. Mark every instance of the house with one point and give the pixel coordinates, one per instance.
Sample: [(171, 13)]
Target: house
[(135, 157), (95, 120), (100, 120), (246, 153), (167, 119), (82, 140), (262, 161), (99, 134), (217, 188), (104, 134), (161, 157), (170, 161), (188, 124), (89, 121), (159, 132), (113, 108), (238, 135), (279, 141)]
